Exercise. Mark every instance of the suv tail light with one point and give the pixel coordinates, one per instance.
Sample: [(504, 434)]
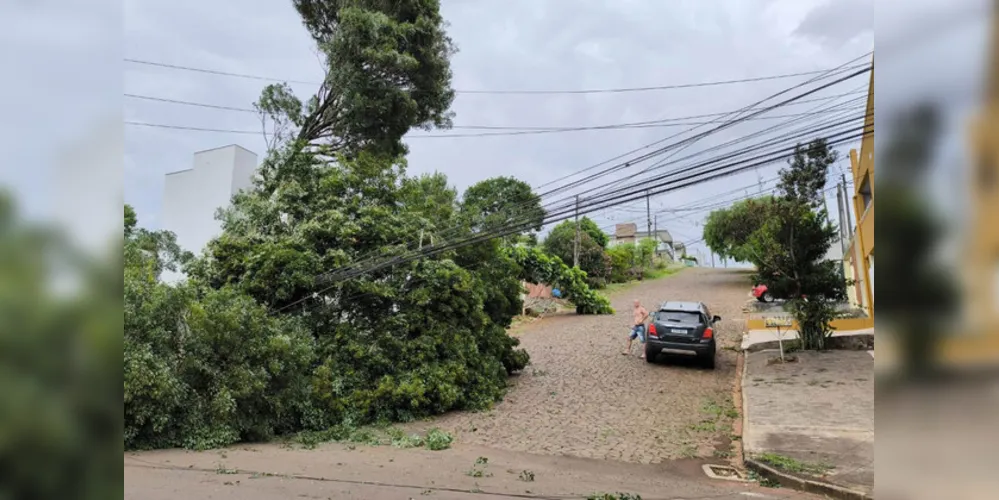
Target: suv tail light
[(708, 333), (652, 331)]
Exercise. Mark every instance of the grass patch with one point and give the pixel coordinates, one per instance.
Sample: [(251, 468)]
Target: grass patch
[(654, 274), (647, 274), (791, 465), (479, 468), (400, 439), (613, 496), (526, 476), (688, 451), (763, 481), (704, 426), (221, 469), (437, 440), (716, 410)]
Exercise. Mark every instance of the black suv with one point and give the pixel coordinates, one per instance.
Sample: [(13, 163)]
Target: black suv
[(682, 328)]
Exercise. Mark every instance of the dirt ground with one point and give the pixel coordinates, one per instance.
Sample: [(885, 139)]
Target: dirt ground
[(580, 397), (334, 471)]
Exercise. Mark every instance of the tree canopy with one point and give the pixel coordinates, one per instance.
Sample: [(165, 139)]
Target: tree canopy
[(791, 246), (727, 231), (387, 71), (501, 201), (266, 337), (593, 260), (787, 238)]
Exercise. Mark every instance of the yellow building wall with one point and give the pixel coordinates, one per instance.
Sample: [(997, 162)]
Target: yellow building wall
[(862, 167)]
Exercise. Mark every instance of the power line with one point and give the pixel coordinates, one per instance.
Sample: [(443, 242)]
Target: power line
[(620, 126), (363, 260), (493, 92), (347, 272), (484, 127), (696, 137), (666, 148)]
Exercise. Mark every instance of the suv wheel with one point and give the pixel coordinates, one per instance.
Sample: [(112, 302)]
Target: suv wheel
[(650, 355), (709, 361)]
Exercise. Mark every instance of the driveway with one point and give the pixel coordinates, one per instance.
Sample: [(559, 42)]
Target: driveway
[(580, 397)]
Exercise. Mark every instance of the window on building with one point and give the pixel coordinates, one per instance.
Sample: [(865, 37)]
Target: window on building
[(865, 192)]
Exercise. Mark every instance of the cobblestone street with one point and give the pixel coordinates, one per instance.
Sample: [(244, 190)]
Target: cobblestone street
[(581, 397)]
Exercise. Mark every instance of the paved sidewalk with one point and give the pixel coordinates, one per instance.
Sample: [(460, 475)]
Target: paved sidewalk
[(816, 414), (767, 339), (343, 472)]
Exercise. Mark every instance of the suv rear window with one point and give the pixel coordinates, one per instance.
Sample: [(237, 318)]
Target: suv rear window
[(684, 317)]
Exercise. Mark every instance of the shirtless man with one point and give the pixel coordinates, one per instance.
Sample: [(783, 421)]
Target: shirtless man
[(639, 314)]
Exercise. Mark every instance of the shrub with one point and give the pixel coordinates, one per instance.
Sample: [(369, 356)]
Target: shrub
[(208, 371), (437, 440)]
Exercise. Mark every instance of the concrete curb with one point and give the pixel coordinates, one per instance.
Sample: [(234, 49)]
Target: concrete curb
[(807, 485)]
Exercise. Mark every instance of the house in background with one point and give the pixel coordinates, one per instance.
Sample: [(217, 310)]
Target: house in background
[(628, 234), (191, 197)]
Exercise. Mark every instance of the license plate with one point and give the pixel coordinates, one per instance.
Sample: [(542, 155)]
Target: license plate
[(677, 330)]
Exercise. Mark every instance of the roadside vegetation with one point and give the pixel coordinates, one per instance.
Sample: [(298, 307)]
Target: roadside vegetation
[(786, 237), (300, 319)]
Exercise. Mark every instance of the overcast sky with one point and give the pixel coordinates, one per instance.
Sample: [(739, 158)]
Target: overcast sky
[(503, 45)]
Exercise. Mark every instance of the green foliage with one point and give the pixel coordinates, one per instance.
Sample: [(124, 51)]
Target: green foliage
[(539, 267), (60, 411), (206, 368), (589, 227), (613, 496), (130, 220), (919, 294), (727, 230), (804, 180), (792, 465), (500, 202), (397, 344), (400, 439), (259, 341), (437, 440), (789, 249), (387, 71), (646, 251), (593, 260), (624, 266)]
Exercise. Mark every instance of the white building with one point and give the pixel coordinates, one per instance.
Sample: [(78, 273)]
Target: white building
[(191, 197), (628, 234)]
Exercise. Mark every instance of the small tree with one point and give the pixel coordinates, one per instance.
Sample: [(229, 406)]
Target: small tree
[(790, 247), (728, 230), (592, 257), (919, 294)]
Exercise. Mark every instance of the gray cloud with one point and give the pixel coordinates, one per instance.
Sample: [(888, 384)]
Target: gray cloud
[(519, 44)]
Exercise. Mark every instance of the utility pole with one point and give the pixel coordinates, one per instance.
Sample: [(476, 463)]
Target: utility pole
[(575, 245), (712, 259), (846, 205), (648, 221), (842, 217)]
